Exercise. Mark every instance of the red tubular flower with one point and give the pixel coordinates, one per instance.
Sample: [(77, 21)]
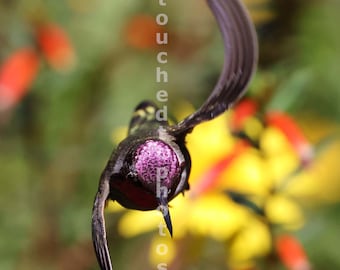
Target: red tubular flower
[(291, 253), (140, 32), (245, 109), (293, 134), (209, 179), (56, 46), (16, 75)]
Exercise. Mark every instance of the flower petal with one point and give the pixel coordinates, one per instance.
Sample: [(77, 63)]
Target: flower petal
[(215, 216), (284, 211), (252, 241), (292, 132), (135, 222), (56, 46), (162, 250), (291, 253), (16, 75)]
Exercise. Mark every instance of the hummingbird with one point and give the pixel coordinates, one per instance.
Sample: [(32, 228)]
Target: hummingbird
[(151, 166)]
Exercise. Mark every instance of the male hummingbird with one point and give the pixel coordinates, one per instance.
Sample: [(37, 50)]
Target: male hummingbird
[(152, 165)]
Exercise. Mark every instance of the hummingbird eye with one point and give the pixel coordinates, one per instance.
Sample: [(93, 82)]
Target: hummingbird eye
[(156, 162)]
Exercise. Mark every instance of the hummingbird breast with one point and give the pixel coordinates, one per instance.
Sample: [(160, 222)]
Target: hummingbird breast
[(156, 165), (146, 169)]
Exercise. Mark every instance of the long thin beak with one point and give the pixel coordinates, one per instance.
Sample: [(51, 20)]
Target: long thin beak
[(164, 208)]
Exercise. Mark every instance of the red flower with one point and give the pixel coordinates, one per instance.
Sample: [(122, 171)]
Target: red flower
[(245, 109), (140, 32), (291, 253), (293, 134), (16, 75), (56, 46), (208, 180)]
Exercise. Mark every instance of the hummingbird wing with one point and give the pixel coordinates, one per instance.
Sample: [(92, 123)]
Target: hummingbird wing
[(98, 224), (240, 60), (145, 114)]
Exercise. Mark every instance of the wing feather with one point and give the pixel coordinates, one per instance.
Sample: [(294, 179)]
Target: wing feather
[(240, 60), (98, 225)]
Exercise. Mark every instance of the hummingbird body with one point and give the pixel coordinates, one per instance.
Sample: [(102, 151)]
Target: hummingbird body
[(152, 165), (149, 165)]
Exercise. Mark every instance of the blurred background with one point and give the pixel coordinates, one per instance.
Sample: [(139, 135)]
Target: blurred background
[(71, 74)]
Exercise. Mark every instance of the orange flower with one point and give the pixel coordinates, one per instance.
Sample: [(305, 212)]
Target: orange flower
[(209, 179), (244, 109), (140, 32), (291, 253), (16, 75), (293, 134), (56, 46)]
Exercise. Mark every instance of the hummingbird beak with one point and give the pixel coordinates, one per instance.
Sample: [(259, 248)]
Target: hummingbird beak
[(164, 208)]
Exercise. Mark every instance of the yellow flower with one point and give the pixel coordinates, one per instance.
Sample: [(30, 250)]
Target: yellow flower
[(162, 250), (266, 178), (253, 241)]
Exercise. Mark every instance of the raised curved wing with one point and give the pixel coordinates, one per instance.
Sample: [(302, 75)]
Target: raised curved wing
[(98, 225), (240, 60)]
